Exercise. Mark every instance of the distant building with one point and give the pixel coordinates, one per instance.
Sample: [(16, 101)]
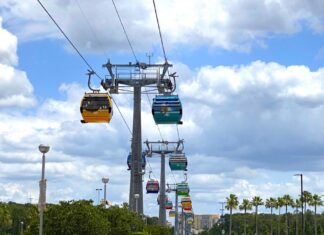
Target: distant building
[(204, 222)]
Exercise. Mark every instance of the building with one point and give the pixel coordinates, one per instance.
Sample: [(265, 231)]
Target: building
[(204, 222)]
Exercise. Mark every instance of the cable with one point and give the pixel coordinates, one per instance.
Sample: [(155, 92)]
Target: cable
[(157, 20), (151, 170), (122, 116), (67, 38), (178, 131), (121, 22), (148, 98), (90, 26)]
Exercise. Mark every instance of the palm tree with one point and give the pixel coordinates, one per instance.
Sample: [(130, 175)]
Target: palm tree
[(231, 203), (246, 205), (307, 198), (271, 203), (278, 206), (287, 201), (316, 201), (256, 202), (297, 204)]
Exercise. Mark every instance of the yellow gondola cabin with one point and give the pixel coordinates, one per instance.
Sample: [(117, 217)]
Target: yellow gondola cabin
[(96, 108)]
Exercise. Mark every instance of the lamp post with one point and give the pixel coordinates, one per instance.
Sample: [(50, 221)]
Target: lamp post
[(21, 227), (105, 181), (302, 200), (98, 190), (42, 188), (136, 196)]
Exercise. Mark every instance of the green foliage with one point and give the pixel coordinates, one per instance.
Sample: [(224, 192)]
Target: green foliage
[(5, 218), (76, 218), (122, 221), (14, 214), (155, 229)]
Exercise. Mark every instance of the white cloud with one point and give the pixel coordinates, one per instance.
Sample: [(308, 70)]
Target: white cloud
[(232, 25), (266, 112), (15, 88), (8, 47), (243, 126)]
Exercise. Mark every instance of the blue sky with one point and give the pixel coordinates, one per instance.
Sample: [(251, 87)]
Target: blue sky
[(252, 89)]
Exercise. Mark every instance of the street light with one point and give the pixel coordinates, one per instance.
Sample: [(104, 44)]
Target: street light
[(42, 188), (136, 196), (302, 200), (105, 181), (21, 227), (98, 189)]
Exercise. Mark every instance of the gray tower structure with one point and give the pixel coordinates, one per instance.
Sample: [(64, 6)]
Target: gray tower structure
[(121, 77), (163, 148)]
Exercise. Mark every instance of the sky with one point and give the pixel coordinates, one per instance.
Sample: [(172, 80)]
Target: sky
[(251, 81)]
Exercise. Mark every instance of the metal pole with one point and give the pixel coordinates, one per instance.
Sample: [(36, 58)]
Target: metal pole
[(136, 185), (98, 189), (182, 220), (302, 202), (21, 227), (162, 213), (42, 199), (105, 193), (136, 205), (176, 219)]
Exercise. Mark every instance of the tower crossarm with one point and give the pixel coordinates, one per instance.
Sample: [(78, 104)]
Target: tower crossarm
[(137, 75)]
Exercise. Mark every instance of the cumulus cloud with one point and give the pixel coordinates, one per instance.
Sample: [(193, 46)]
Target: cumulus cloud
[(247, 130), (263, 114), (232, 25), (15, 88)]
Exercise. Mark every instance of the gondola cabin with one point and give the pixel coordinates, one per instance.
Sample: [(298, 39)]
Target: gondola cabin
[(168, 205), (96, 108), (189, 214), (172, 213), (187, 210), (182, 189), (178, 162), (167, 109), (152, 186), (186, 202), (129, 161), (158, 199), (187, 207)]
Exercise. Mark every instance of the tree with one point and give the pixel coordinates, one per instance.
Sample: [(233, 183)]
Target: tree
[(287, 201), (297, 204), (122, 221), (278, 206), (271, 203), (256, 202), (75, 217), (307, 198), (246, 205), (315, 201), (5, 218), (231, 203)]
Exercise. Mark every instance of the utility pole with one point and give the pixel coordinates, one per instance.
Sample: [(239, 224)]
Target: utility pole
[(222, 217), (162, 148), (222, 210), (121, 77), (149, 55), (98, 190)]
